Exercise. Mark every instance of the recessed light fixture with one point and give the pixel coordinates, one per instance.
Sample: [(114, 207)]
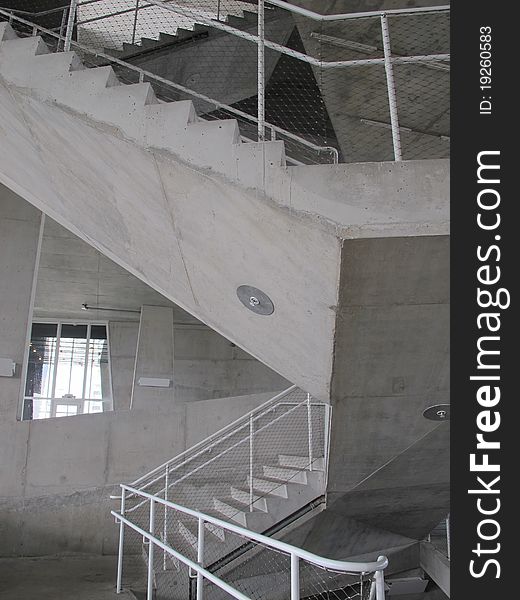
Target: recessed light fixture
[(255, 300), (438, 412)]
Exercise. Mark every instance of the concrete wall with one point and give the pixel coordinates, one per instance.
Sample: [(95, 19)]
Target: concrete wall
[(56, 475), (19, 233), (206, 365)]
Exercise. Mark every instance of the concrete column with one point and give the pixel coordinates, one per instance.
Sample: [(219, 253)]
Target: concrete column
[(123, 344), (19, 243), (154, 357)]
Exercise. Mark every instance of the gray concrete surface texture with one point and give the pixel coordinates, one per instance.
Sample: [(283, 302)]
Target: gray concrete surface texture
[(300, 214), (71, 272), (355, 95), (354, 258), (56, 475), (63, 578)]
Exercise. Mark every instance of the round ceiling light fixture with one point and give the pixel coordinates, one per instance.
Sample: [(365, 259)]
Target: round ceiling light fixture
[(438, 412), (255, 300)]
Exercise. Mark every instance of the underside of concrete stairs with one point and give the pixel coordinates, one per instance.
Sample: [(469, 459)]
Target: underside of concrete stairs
[(354, 258)]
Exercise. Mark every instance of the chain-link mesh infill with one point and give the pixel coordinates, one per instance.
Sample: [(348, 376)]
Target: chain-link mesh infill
[(324, 94), (233, 475)]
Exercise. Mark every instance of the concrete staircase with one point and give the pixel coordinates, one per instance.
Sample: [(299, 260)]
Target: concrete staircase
[(203, 58), (246, 21), (133, 109), (284, 489), (195, 213), (153, 20)]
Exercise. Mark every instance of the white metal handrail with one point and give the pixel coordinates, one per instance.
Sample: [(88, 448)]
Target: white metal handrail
[(296, 554), (358, 15)]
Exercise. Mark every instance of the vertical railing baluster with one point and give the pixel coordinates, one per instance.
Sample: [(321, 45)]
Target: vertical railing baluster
[(390, 84), (295, 577), (149, 588), (448, 537), (200, 558), (251, 432), (165, 524), (70, 24), (63, 24), (380, 583), (261, 71), (121, 543), (135, 21), (309, 430)]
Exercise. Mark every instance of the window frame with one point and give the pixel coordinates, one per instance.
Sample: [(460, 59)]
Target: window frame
[(108, 403)]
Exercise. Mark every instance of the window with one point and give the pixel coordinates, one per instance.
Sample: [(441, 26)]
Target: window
[(68, 371)]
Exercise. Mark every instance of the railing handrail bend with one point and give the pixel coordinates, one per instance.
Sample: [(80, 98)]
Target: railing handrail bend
[(326, 563)]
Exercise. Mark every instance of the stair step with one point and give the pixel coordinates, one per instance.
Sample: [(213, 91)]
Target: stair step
[(285, 474), (98, 78), (273, 488), (243, 497), (148, 43), (41, 71), (130, 48), (300, 462), (188, 535), (7, 32), (218, 532), (230, 511), (167, 38), (166, 122), (188, 531), (29, 46)]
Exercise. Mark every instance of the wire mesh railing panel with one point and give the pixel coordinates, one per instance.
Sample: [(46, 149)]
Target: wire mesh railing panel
[(258, 572), (324, 88), (317, 583)]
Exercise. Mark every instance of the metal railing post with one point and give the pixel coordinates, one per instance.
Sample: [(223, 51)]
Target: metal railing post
[(251, 432), (380, 584), (295, 577), (261, 70), (70, 24), (448, 537), (309, 430), (390, 84), (326, 442), (200, 559), (165, 524), (62, 28), (121, 543), (135, 21), (149, 589)]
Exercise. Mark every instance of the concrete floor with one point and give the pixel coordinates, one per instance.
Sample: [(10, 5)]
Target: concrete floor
[(60, 578)]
